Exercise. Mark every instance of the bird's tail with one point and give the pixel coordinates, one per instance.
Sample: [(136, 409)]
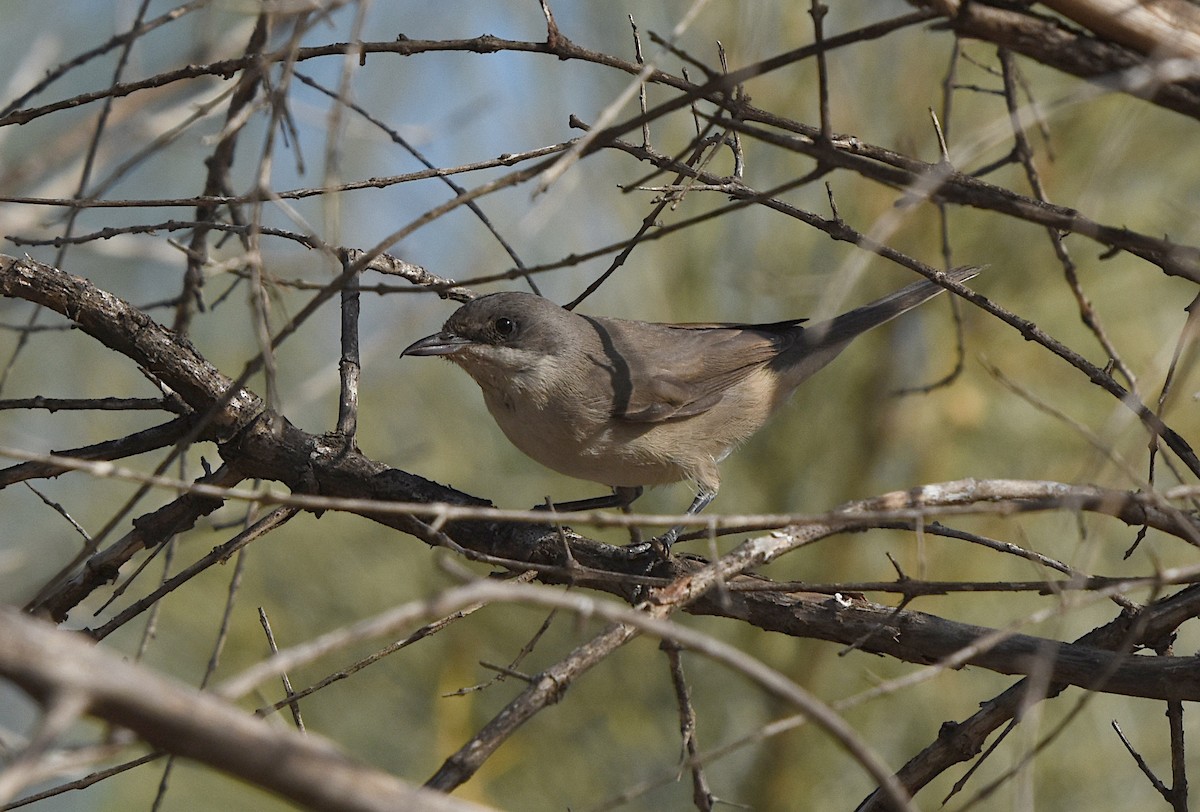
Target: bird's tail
[(845, 327), (822, 342)]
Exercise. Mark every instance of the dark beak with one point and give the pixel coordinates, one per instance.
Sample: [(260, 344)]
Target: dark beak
[(438, 344)]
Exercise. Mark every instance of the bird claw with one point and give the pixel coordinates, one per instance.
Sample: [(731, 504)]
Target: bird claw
[(647, 555), (636, 550), (659, 545)]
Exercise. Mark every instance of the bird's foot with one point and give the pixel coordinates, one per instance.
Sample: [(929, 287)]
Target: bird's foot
[(660, 546)]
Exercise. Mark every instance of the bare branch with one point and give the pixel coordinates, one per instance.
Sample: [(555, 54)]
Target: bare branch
[(306, 769)]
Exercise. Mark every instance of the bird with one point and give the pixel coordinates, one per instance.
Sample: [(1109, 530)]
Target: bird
[(634, 404)]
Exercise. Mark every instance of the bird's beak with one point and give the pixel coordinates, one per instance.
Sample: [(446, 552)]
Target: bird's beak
[(437, 344)]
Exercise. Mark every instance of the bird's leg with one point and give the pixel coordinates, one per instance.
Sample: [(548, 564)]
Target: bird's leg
[(620, 497), (671, 536), (662, 544)]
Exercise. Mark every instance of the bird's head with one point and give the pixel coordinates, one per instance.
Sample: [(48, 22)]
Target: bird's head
[(503, 336)]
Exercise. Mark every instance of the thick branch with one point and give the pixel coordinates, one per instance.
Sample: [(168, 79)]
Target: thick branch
[(1155, 28), (1052, 43), (921, 638), (47, 663), (121, 327), (958, 742)]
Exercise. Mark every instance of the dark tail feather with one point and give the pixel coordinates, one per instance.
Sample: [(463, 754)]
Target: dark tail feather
[(822, 342), (845, 327)]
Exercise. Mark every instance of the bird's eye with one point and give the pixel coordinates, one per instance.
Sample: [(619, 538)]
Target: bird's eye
[(505, 327)]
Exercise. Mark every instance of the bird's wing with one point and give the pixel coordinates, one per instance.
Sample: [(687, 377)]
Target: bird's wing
[(683, 370)]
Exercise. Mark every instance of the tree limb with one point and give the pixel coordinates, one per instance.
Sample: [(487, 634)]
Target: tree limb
[(304, 768)]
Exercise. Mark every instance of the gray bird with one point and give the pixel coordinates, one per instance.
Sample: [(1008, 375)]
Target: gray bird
[(632, 404)]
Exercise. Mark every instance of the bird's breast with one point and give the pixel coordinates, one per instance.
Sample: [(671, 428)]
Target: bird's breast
[(575, 434)]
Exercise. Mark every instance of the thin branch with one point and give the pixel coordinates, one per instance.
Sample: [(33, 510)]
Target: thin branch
[(219, 554), (1024, 152), (350, 365), (702, 797), (292, 702)]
